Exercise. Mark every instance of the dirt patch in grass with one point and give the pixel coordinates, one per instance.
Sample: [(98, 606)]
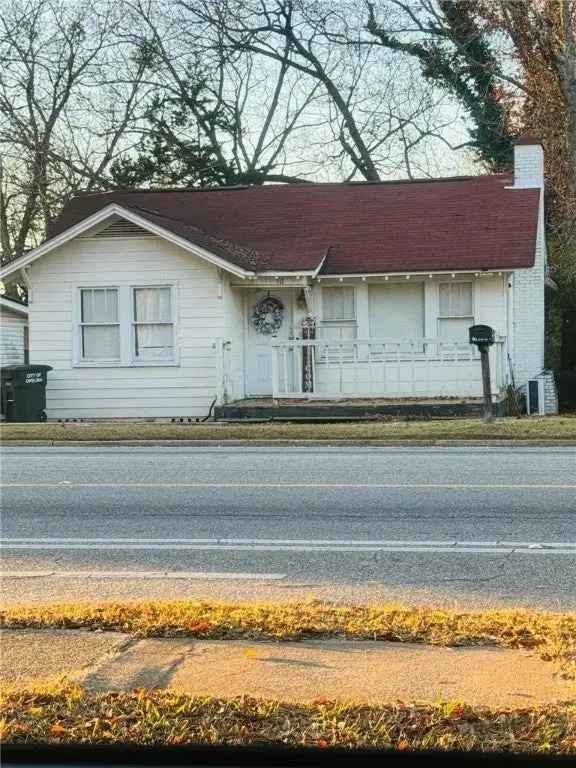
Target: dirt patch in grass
[(551, 428), (552, 635), (71, 715)]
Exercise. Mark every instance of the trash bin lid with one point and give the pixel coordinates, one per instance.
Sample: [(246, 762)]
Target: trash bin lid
[(41, 368), (14, 372)]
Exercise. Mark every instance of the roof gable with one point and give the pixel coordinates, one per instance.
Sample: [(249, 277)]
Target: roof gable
[(112, 211)]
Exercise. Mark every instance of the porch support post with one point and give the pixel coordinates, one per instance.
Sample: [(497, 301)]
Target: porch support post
[(362, 311), (275, 352)]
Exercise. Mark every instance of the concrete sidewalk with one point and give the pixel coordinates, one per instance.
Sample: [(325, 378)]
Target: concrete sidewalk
[(368, 672)]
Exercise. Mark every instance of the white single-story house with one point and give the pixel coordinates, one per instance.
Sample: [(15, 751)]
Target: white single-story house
[(13, 332), (156, 303)]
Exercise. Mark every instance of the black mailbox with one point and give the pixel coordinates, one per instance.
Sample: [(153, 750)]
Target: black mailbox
[(481, 335)]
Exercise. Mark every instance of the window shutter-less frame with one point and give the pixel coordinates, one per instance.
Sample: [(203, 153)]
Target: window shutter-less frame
[(153, 323), (126, 325), (99, 325), (456, 310), (338, 313)]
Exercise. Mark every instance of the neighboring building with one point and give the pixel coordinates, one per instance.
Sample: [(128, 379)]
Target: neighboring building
[(156, 303), (13, 332)]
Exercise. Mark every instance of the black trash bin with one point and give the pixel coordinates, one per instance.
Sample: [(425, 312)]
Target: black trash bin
[(23, 390)]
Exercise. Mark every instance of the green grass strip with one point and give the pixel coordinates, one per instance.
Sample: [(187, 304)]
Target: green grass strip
[(550, 428)]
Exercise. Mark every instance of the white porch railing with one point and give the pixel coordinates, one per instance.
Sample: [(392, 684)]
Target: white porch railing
[(413, 367)]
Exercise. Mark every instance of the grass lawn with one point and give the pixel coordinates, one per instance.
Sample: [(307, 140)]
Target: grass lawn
[(69, 714), (533, 428), (553, 635)]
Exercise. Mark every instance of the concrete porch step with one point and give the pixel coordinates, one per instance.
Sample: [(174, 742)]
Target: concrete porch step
[(264, 409)]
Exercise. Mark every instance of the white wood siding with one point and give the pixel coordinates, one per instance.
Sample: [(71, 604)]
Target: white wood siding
[(164, 391), (11, 338), (235, 324)]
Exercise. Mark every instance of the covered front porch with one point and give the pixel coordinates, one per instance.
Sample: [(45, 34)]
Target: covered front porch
[(389, 338), (370, 378)]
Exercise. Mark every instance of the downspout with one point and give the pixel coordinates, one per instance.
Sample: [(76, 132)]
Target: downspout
[(511, 323)]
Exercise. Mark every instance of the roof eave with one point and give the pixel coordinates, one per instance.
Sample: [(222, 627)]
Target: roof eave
[(421, 272)]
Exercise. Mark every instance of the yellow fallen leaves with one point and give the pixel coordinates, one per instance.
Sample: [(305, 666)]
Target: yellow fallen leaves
[(552, 635), (73, 716)]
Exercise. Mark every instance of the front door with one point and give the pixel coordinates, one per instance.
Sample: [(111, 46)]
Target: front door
[(258, 343)]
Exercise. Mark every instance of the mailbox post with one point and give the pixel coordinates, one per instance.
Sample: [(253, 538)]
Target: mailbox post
[(483, 337)]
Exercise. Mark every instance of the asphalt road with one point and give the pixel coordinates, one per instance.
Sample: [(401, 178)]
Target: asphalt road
[(470, 526)]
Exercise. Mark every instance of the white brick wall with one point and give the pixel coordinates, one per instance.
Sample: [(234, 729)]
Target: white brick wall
[(550, 393), (528, 165), (527, 332)]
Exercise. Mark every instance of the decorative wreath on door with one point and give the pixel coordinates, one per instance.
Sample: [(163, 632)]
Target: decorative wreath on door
[(267, 315)]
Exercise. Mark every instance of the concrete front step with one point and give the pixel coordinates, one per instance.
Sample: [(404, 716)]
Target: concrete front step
[(350, 410)]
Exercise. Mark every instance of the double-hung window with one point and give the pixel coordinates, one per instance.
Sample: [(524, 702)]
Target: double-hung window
[(338, 313), (456, 313), (126, 325), (99, 324), (153, 325)]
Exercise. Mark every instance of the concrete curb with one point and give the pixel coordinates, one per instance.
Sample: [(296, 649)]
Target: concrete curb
[(284, 443)]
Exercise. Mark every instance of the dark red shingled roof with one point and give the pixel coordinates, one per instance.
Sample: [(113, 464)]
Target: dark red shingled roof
[(460, 223)]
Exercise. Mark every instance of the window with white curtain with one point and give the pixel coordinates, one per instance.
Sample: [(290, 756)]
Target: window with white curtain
[(99, 324), (126, 325), (338, 313), (153, 325), (456, 310)]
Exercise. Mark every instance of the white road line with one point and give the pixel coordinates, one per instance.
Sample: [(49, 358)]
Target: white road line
[(197, 575), (288, 484), (274, 542), (289, 545)]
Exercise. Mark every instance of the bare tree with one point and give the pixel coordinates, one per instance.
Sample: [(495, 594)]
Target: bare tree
[(61, 120), (543, 35), (245, 114), (373, 117), (511, 64)]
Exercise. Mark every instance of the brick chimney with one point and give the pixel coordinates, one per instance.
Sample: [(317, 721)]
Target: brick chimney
[(528, 162)]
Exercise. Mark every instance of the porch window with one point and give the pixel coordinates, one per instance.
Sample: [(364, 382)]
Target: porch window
[(153, 327), (397, 311), (338, 313), (456, 313), (99, 325)]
